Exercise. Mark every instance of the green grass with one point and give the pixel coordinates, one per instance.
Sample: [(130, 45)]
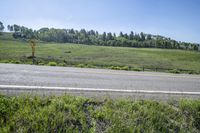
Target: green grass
[(100, 56), (78, 114)]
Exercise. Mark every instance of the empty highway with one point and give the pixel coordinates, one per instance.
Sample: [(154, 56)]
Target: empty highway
[(15, 76)]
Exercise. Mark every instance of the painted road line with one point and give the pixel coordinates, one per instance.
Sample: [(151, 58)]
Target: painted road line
[(46, 88)]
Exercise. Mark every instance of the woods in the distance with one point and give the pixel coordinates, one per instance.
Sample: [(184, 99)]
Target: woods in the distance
[(92, 37)]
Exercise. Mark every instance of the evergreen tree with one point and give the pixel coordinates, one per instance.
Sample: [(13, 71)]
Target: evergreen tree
[(1, 26)]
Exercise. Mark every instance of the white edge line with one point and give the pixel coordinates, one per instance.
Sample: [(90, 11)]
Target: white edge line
[(43, 88)]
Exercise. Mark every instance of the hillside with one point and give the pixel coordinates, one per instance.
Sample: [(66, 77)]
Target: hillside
[(92, 37), (65, 54)]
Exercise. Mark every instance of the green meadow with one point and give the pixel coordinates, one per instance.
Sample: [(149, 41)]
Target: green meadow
[(65, 54)]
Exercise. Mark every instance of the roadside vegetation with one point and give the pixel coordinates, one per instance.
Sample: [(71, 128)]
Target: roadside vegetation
[(117, 58), (79, 114)]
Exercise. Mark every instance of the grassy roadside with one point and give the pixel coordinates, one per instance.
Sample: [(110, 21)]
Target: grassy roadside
[(78, 114), (118, 58)]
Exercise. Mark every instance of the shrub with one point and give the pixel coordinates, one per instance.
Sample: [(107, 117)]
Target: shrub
[(193, 72), (67, 52), (175, 71), (29, 62), (115, 67), (81, 65), (4, 61), (52, 64), (79, 114), (15, 61), (61, 64), (125, 68), (192, 107), (90, 66)]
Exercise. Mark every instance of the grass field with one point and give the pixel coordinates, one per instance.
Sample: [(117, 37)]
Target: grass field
[(78, 114), (99, 56)]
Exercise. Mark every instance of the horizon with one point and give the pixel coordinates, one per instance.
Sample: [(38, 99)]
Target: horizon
[(176, 19)]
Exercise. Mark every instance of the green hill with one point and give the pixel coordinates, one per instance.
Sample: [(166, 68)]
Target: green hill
[(65, 54)]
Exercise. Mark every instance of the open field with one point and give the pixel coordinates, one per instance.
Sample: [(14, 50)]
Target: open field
[(100, 56), (79, 114)]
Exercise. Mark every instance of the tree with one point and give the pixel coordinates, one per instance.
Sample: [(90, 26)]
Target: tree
[(109, 36), (43, 30), (11, 28), (104, 36), (126, 35), (94, 38), (142, 36), (121, 34), (16, 35), (16, 28), (131, 35), (92, 32), (97, 33), (137, 37), (71, 31), (1, 26), (8, 27), (149, 37), (83, 31), (114, 35), (196, 47)]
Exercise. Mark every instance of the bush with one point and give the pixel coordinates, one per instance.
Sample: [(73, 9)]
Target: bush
[(61, 64), (79, 114), (90, 66), (193, 72), (4, 61), (81, 65), (15, 61), (29, 62), (115, 67), (191, 107), (125, 68), (52, 64), (175, 71)]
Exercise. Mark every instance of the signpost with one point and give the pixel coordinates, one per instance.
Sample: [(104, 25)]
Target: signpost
[(33, 44)]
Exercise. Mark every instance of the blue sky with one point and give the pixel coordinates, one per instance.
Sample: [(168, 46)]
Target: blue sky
[(177, 19)]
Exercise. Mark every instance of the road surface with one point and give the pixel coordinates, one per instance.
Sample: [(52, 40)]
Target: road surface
[(14, 76)]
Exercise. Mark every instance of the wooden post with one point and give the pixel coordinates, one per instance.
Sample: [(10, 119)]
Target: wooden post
[(33, 44)]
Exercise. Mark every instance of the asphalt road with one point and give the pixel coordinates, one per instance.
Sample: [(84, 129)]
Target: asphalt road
[(46, 76)]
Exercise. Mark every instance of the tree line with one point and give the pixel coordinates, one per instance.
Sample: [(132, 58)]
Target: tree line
[(92, 37)]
